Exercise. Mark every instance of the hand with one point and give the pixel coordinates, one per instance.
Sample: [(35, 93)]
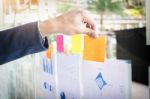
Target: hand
[(73, 22)]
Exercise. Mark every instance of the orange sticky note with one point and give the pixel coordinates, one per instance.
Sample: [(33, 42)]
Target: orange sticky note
[(95, 49), (49, 51)]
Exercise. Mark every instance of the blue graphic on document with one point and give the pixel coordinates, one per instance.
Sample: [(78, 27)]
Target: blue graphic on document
[(62, 95), (47, 86), (47, 65), (100, 81)]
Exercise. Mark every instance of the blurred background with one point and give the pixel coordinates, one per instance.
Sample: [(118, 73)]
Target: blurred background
[(119, 14), (123, 20)]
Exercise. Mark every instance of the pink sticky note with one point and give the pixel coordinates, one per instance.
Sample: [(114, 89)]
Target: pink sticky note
[(60, 43)]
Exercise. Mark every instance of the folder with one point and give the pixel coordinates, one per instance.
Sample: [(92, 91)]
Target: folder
[(95, 49)]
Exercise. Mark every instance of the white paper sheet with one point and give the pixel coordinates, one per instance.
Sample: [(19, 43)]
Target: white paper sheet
[(48, 83), (68, 75), (109, 80)]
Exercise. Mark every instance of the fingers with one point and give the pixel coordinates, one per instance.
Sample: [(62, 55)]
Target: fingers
[(77, 21), (89, 28), (89, 32), (88, 21)]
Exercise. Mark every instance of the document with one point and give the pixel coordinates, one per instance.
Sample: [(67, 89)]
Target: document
[(108, 80), (68, 79), (48, 82)]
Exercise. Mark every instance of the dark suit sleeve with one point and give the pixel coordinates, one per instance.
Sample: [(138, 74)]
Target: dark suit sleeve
[(20, 41)]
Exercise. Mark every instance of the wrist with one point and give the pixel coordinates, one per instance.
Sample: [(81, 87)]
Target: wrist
[(48, 27)]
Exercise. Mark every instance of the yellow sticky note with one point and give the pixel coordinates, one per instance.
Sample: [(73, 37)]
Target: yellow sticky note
[(77, 44), (95, 49)]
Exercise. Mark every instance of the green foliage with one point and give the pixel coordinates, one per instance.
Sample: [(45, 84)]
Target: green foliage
[(140, 10), (106, 6)]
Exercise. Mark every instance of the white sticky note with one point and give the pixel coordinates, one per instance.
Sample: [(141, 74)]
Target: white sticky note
[(109, 80), (68, 75)]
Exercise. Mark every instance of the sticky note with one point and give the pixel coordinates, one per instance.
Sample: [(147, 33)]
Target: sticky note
[(49, 51), (77, 44), (52, 38), (67, 44), (95, 49), (66, 49), (60, 43)]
